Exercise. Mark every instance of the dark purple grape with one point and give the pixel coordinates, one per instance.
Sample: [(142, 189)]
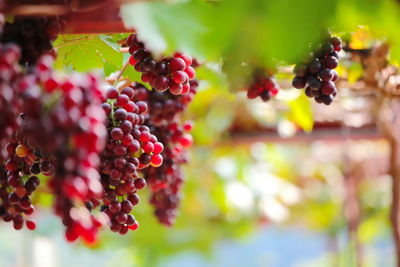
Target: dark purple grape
[(327, 88), (309, 92), (300, 70), (313, 82), (149, 64), (140, 54), (299, 82), (314, 66), (327, 48), (326, 75), (331, 62), (327, 99)]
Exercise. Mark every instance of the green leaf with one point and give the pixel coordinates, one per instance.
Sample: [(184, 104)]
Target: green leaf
[(300, 113), (130, 72), (144, 21), (290, 26), (165, 28), (86, 52), (109, 68)]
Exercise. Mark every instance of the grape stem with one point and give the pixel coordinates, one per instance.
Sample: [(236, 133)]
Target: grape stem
[(121, 72), (112, 114)]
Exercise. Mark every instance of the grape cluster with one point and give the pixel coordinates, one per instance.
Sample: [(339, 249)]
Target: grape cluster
[(164, 120), (130, 147), (263, 86), (64, 120), (169, 73), (318, 75), (166, 181), (33, 35)]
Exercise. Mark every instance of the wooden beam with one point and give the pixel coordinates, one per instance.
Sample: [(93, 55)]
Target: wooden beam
[(37, 10), (95, 27), (86, 17), (332, 135)]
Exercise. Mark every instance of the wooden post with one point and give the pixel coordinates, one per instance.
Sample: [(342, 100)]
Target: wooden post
[(389, 121), (395, 208)]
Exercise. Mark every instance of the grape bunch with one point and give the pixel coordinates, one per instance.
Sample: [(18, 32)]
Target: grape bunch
[(318, 74), (33, 35), (64, 120), (130, 147), (169, 73), (164, 120), (263, 86), (167, 180)]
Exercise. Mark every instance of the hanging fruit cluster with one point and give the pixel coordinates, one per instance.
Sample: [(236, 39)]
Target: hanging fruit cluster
[(96, 149), (263, 85), (318, 75)]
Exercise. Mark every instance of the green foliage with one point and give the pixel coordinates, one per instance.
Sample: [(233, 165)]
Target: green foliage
[(235, 31), (86, 52)]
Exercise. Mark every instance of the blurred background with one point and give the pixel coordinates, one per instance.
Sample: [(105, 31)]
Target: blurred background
[(283, 183)]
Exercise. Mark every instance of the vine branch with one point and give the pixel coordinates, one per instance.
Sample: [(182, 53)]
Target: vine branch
[(121, 72)]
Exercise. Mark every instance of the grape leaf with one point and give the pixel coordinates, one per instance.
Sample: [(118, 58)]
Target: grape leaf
[(109, 68), (165, 28), (86, 52)]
